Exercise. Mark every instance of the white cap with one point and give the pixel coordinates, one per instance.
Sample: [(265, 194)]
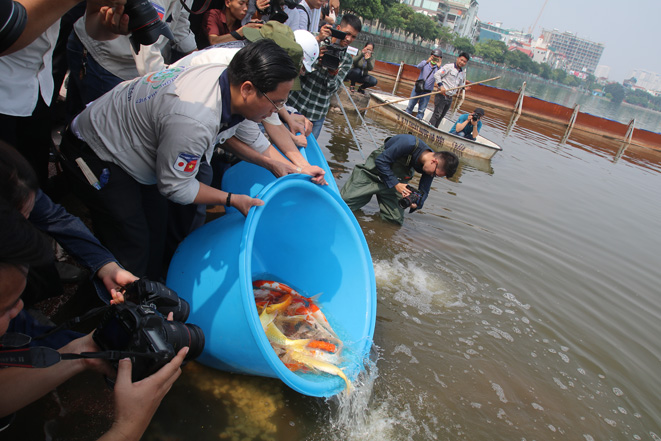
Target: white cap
[(310, 47)]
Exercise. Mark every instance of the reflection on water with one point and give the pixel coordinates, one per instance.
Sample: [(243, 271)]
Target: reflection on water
[(521, 303)]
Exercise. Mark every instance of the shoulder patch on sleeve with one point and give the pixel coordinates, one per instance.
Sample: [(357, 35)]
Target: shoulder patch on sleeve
[(186, 162)]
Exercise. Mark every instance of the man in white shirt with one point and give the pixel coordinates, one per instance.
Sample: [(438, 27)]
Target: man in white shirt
[(144, 141), (448, 78)]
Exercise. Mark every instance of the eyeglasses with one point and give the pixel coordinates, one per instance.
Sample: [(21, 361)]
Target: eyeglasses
[(277, 108)]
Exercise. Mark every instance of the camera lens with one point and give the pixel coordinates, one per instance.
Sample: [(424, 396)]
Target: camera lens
[(145, 24), (183, 334)]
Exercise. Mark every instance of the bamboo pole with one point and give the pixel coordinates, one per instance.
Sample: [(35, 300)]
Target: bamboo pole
[(429, 94)]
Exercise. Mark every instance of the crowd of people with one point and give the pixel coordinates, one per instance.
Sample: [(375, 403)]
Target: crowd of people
[(150, 108)]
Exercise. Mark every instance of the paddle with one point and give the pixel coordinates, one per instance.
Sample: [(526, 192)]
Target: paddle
[(430, 93)]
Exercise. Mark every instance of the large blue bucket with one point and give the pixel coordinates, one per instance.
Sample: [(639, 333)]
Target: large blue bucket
[(250, 179), (305, 236)]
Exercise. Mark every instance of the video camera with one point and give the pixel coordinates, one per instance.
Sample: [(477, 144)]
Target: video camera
[(275, 11), (414, 198), (137, 330), (144, 24), (334, 52)]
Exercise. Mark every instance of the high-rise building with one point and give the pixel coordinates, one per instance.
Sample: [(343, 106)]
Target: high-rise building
[(602, 71), (578, 54), (647, 80)]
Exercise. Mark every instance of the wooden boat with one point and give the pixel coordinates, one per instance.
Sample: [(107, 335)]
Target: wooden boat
[(437, 138)]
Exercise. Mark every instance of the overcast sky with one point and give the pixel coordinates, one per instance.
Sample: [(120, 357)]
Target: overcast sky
[(629, 30)]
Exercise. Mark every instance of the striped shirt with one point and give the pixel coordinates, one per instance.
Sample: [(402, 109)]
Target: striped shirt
[(317, 88)]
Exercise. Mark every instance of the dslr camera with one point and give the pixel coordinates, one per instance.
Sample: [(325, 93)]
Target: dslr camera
[(414, 198), (334, 52), (475, 116), (144, 24), (143, 330), (275, 11)]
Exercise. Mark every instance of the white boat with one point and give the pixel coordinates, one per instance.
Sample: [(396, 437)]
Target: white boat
[(437, 138)]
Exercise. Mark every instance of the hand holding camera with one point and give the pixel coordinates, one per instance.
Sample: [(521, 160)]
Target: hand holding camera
[(331, 54), (412, 197)]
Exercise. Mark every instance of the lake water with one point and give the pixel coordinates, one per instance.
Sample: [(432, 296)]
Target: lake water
[(521, 303), (563, 95)]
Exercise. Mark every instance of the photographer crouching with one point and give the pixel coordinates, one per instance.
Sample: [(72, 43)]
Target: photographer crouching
[(146, 351), (386, 174), (469, 124)]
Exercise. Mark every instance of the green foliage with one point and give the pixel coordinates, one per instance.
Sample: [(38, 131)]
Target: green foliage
[(491, 50), (463, 44), (368, 9), (616, 90), (421, 26), (397, 16)]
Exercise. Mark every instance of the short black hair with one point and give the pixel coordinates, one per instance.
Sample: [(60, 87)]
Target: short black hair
[(351, 20), (22, 243), (465, 55), (18, 181), (264, 64), (450, 162)]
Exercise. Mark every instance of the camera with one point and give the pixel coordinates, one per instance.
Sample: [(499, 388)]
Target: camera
[(414, 198), (334, 52), (144, 24), (143, 331), (475, 116), (159, 297), (275, 11)]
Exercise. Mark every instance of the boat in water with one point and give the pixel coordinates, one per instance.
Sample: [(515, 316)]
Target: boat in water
[(393, 108)]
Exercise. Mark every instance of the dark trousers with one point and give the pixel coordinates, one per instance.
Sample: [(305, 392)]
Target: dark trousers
[(31, 136), (355, 75), (442, 104), (134, 221)]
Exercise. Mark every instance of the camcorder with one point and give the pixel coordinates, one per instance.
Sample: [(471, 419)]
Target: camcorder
[(144, 24), (334, 52), (414, 198), (275, 11), (137, 330)]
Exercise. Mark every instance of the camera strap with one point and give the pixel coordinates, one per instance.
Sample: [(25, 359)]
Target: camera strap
[(202, 10), (413, 150), (74, 321), (43, 357)]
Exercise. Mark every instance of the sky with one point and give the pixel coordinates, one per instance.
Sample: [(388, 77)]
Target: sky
[(629, 30)]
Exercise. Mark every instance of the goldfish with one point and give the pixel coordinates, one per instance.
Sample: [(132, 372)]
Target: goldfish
[(320, 365)]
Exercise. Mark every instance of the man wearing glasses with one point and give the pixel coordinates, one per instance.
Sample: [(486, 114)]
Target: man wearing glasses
[(387, 172), (139, 146)]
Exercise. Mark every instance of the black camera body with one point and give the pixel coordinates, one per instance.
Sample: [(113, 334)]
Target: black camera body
[(475, 116), (144, 24), (142, 329), (334, 52), (158, 296), (275, 11), (414, 198)]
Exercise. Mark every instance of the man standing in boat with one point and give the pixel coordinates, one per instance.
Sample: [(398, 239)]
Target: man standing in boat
[(427, 68), (450, 76), (388, 170), (469, 124)]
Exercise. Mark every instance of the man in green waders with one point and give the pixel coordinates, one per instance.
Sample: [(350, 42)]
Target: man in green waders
[(388, 170)]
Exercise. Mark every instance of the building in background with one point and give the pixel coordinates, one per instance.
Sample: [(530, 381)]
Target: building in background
[(602, 71), (646, 80), (458, 15), (571, 52)]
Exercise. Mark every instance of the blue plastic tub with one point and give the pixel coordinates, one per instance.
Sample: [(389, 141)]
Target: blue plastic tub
[(304, 236), (250, 179)]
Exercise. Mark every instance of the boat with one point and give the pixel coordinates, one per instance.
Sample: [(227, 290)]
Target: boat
[(439, 139)]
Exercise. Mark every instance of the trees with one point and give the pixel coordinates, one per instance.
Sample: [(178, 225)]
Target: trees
[(368, 9), (616, 91), (491, 50), (463, 44)]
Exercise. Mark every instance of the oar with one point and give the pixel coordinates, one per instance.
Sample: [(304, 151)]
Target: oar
[(428, 94)]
